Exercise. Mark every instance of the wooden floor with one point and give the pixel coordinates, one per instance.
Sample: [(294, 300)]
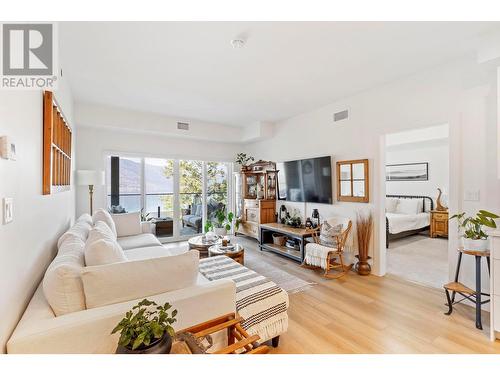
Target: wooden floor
[(370, 314)]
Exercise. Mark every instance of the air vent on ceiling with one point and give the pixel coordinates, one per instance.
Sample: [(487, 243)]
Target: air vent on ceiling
[(342, 115), (182, 126)]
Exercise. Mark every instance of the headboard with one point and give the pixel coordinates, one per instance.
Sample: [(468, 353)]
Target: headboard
[(426, 207)]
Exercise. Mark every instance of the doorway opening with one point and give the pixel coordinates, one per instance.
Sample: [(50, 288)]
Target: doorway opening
[(417, 182)]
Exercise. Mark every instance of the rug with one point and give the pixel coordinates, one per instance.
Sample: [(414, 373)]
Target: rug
[(290, 283)]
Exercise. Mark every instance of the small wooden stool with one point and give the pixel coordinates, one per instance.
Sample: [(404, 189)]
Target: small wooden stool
[(456, 287)]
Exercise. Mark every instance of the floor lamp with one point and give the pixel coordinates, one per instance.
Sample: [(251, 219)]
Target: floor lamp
[(90, 178)]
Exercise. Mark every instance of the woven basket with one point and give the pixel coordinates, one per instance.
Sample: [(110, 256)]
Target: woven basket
[(279, 239)]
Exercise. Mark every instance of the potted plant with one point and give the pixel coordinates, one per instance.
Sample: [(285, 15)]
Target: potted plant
[(474, 237), (146, 329), (223, 222), (242, 159)]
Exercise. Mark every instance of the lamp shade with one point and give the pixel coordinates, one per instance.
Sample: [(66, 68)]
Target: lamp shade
[(88, 177)]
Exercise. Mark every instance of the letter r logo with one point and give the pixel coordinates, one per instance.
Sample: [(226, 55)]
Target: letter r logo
[(27, 49)]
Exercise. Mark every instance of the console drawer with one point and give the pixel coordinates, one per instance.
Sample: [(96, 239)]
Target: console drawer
[(251, 203), (252, 214), (495, 245), (496, 278)]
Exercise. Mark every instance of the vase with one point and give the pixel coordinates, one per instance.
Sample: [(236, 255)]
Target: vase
[(221, 232), (161, 346), (363, 268), (479, 245)]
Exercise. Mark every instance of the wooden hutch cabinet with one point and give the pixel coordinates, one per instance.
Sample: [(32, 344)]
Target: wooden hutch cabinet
[(255, 194)]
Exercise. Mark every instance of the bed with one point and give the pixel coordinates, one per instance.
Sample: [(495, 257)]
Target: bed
[(407, 215)]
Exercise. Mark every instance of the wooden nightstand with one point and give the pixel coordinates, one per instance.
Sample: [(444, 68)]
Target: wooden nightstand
[(439, 224)]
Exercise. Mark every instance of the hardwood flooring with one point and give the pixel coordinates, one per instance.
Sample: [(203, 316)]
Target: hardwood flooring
[(370, 314)]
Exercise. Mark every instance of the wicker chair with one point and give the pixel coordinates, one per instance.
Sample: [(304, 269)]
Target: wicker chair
[(333, 255)]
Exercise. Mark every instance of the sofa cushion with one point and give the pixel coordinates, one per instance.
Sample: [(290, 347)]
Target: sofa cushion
[(128, 224), (126, 281), (62, 284), (78, 231), (151, 252), (103, 252), (103, 215), (140, 240)]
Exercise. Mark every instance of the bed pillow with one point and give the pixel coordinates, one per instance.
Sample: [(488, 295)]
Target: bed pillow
[(103, 215), (408, 207), (391, 205), (127, 281)]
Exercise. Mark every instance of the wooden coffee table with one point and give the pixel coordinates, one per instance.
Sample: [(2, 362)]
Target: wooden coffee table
[(237, 253), (197, 243)]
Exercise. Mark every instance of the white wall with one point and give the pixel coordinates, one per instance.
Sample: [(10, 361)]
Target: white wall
[(28, 244), (461, 94), (434, 152), (93, 144)]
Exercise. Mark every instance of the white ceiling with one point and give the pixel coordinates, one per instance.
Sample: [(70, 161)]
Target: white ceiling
[(190, 69)]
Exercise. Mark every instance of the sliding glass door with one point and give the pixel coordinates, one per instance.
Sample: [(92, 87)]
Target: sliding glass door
[(191, 197), (180, 195)]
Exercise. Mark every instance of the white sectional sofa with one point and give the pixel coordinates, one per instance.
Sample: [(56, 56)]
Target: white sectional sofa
[(87, 330)]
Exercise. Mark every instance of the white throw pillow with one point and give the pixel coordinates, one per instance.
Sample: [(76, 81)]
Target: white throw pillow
[(126, 281), (86, 218), (101, 231), (62, 283), (103, 215), (78, 231), (391, 205), (103, 252), (128, 224), (408, 206)]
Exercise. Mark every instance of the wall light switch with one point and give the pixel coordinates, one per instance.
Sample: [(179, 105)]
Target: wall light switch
[(471, 195), (8, 210)]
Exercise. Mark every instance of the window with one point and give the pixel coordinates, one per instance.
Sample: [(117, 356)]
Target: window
[(191, 196), (217, 180), (159, 186), (180, 195)]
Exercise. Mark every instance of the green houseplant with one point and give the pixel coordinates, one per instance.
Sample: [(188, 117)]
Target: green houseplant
[(222, 223), (474, 237), (242, 159), (146, 329)]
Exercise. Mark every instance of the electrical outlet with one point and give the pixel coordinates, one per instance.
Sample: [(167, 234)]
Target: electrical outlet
[(8, 213), (471, 195)]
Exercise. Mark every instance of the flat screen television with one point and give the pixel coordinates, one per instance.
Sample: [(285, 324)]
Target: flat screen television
[(306, 180)]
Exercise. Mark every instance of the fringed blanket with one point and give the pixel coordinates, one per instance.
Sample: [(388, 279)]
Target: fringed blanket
[(259, 301)]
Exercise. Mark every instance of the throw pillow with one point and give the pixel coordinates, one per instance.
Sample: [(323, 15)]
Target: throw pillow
[(408, 206), (101, 231), (103, 252), (128, 224), (328, 234), (118, 282), (103, 215), (391, 205)]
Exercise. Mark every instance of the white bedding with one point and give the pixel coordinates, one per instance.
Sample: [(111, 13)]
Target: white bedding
[(402, 222)]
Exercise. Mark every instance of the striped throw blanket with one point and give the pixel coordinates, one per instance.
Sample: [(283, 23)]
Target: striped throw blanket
[(259, 301)]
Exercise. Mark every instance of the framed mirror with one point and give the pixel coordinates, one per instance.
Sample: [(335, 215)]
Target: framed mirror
[(353, 181)]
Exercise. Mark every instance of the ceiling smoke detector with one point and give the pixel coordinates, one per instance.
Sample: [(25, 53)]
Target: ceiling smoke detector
[(237, 43)]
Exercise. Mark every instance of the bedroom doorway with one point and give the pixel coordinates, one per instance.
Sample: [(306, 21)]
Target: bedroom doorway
[(417, 190)]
